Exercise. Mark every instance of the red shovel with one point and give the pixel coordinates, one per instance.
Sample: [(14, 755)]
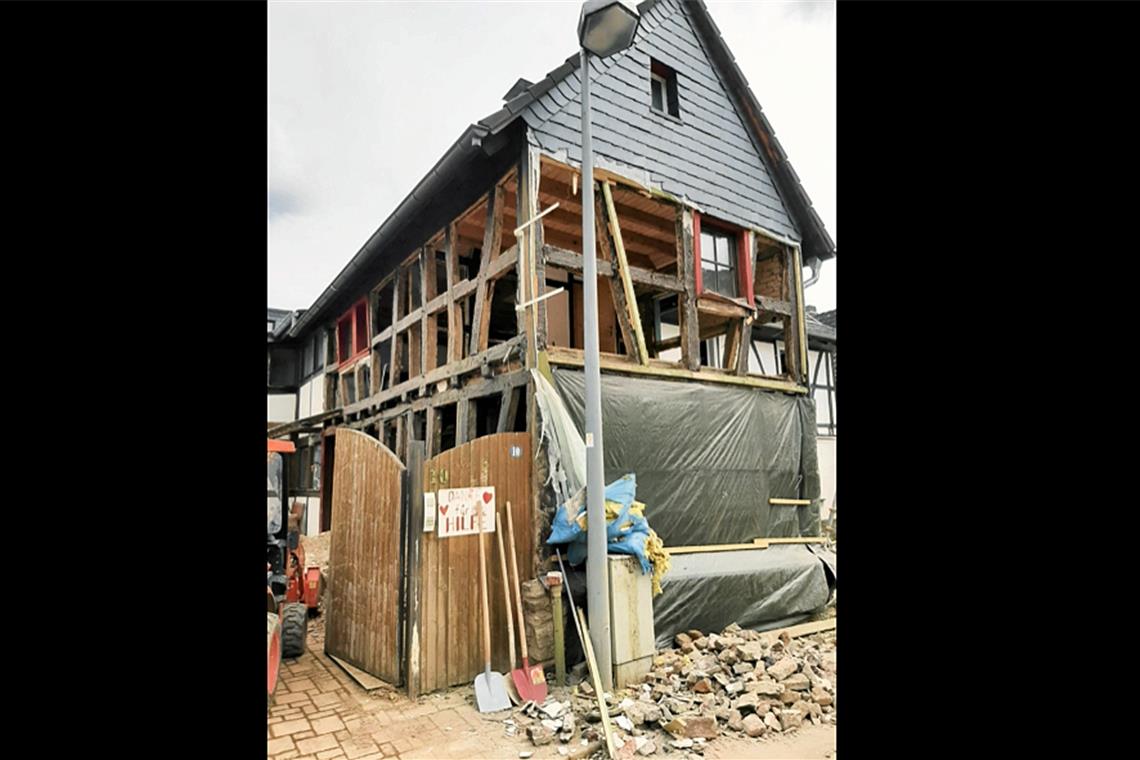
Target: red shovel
[(529, 679)]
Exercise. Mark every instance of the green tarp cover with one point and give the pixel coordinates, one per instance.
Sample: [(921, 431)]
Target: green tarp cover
[(707, 456)]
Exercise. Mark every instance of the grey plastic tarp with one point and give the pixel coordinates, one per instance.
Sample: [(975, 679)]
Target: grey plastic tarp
[(707, 456), (760, 589)]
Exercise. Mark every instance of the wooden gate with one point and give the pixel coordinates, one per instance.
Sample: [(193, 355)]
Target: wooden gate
[(445, 615), (365, 560)]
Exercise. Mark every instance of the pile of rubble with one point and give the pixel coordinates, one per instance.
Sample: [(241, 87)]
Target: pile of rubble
[(738, 681)]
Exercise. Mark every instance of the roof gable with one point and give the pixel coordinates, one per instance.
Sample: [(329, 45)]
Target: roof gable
[(708, 158)]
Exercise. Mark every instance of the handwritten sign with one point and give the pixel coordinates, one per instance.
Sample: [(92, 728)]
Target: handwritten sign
[(459, 511)]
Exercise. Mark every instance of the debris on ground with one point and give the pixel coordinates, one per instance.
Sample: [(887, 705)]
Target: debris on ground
[(737, 681)]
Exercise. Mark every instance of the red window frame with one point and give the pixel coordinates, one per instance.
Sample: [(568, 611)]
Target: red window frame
[(356, 329), (743, 258)]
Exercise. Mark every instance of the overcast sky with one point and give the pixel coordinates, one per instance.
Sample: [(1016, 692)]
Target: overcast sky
[(365, 97)]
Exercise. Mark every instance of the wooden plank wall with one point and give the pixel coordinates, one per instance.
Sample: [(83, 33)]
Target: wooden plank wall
[(448, 628), (364, 557)]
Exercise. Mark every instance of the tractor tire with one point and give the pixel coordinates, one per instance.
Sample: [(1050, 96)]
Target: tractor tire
[(273, 645), (294, 627)]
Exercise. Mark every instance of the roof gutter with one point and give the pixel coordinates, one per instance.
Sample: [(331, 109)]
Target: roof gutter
[(470, 141)]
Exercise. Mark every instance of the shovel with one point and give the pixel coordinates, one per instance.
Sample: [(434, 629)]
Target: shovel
[(490, 691), (511, 690), (529, 680)]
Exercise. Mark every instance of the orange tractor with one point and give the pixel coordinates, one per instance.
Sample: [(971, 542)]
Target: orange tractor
[(292, 590)]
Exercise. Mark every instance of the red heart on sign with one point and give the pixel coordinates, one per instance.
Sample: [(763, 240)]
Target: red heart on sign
[(443, 509), (487, 497)]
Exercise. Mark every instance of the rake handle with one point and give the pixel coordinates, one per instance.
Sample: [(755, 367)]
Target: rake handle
[(483, 590), (515, 583), (506, 591)]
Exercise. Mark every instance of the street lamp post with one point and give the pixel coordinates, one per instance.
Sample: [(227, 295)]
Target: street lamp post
[(605, 27)]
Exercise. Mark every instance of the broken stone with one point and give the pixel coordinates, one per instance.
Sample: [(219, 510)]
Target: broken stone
[(552, 725), (624, 723), (783, 668), (648, 748), (746, 703), (790, 719), (733, 688), (681, 639), (789, 697), (539, 734), (736, 720), (827, 662), (586, 688), (567, 727), (627, 750), (797, 681), (765, 688), (803, 706), (713, 639), (821, 696), (741, 668), (728, 642), (732, 628), (702, 686), (526, 753), (553, 708), (772, 722), (729, 656), (701, 643), (751, 651), (753, 725), (694, 634), (681, 743)]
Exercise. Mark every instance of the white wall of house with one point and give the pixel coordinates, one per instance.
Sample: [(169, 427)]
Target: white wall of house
[(312, 397), (282, 407), (312, 516), (826, 445)]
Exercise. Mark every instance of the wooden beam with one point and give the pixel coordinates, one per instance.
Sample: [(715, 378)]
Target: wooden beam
[(394, 359), (687, 300), (508, 408), (454, 314), (801, 330), (732, 342), (795, 540), (455, 369), (574, 357), (462, 421), (492, 232), (719, 308), (774, 305), (428, 326), (803, 629), (627, 285), (671, 550), (789, 502), (573, 262)]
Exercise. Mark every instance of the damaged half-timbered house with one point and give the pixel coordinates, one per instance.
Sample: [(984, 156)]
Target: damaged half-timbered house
[(422, 363)]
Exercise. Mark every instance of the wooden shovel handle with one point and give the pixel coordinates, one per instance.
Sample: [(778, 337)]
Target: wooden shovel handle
[(515, 582), (483, 590), (506, 591)]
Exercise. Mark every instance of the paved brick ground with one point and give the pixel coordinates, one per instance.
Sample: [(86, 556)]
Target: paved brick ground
[(320, 713)]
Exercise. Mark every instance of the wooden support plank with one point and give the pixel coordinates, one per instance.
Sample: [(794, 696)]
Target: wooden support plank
[(462, 421), (394, 360), (687, 300), (732, 346), (741, 366), (638, 348), (801, 331), (795, 540), (454, 314), (792, 502), (573, 357), (415, 570), (599, 691), (712, 548), (508, 408), (492, 233), (617, 293), (428, 326), (533, 163), (803, 629)]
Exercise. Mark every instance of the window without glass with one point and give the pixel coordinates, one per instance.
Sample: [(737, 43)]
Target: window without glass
[(719, 259)]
